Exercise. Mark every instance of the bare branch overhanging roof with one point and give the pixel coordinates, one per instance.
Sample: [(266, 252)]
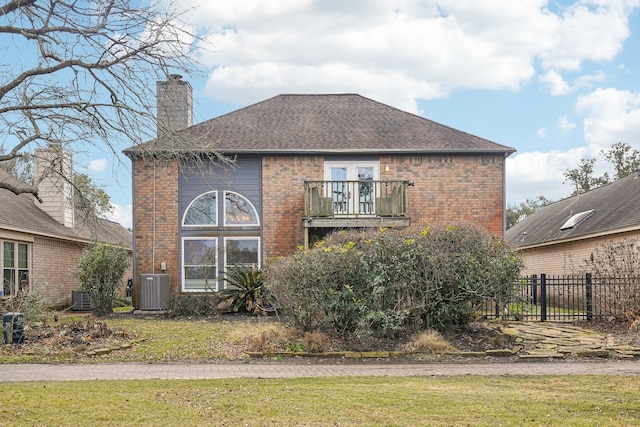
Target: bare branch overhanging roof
[(616, 209), (342, 123), (20, 213)]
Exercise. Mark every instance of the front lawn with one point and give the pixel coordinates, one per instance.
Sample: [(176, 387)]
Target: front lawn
[(415, 401)]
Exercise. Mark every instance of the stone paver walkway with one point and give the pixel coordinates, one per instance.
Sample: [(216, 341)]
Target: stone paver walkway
[(192, 371), (557, 340), (541, 349)]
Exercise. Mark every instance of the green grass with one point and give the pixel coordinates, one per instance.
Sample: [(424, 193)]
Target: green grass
[(364, 401)]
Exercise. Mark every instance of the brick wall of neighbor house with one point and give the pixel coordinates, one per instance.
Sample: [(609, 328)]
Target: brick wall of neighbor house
[(567, 258), (156, 220), (53, 264), (283, 200), (452, 188)]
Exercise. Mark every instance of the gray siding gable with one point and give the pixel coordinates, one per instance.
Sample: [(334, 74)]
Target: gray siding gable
[(244, 176)]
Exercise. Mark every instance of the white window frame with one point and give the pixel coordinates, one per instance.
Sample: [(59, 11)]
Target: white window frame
[(349, 203), (253, 208), (16, 267), (226, 261), (351, 167), (217, 219), (213, 285)]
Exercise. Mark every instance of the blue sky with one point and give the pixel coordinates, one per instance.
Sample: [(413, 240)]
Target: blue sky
[(556, 80)]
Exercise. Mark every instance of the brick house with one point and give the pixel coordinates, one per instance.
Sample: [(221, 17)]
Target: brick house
[(43, 240), (303, 165), (558, 238)]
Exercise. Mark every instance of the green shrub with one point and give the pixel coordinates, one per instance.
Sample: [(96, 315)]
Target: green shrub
[(372, 282), (100, 271)]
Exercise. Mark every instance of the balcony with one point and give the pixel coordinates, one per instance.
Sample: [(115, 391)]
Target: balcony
[(340, 204)]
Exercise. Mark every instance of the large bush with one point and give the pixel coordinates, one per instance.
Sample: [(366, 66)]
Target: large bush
[(100, 271), (374, 281)]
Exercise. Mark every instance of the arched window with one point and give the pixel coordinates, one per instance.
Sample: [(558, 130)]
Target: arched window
[(238, 210), (203, 211), (210, 245)]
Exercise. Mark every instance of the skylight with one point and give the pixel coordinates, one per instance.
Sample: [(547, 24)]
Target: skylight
[(576, 219)]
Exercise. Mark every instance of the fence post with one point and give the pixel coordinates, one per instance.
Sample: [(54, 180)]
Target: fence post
[(589, 295), (543, 297)]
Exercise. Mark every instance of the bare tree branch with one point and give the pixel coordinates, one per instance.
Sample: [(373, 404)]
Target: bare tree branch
[(81, 73)]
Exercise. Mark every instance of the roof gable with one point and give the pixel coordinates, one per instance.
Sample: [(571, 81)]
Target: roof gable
[(342, 123), (615, 208)]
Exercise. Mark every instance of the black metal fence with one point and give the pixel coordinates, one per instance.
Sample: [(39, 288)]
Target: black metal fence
[(568, 298)]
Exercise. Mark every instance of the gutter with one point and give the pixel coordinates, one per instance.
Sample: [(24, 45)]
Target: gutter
[(579, 238)]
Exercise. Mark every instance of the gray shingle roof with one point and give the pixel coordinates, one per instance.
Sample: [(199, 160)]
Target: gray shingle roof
[(616, 208), (20, 213), (343, 123)]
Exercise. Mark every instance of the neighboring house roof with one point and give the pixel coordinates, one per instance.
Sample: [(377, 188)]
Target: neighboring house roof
[(325, 124), (20, 213), (616, 208)]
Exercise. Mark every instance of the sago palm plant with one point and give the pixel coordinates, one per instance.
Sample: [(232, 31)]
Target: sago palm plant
[(244, 289)]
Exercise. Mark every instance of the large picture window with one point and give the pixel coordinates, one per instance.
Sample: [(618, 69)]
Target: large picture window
[(15, 267), (210, 245)]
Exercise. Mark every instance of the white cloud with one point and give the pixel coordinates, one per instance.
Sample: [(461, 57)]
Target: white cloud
[(565, 125), (122, 215), (587, 31), (541, 133), (401, 50), (535, 173), (555, 84), (611, 116), (97, 165)]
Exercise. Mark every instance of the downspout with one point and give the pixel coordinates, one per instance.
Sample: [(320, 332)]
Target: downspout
[(504, 195), (153, 224)]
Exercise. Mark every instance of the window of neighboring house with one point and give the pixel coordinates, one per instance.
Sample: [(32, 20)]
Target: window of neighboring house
[(15, 267), (238, 237)]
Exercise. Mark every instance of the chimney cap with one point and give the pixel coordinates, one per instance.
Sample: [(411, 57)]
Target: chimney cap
[(175, 77)]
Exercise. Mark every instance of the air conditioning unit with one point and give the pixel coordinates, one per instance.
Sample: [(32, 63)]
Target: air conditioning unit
[(81, 301), (154, 291)]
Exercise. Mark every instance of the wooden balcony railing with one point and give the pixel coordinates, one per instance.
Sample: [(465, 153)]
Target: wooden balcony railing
[(356, 199)]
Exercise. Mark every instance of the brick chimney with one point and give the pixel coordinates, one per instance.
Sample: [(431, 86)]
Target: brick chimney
[(53, 177), (174, 105)]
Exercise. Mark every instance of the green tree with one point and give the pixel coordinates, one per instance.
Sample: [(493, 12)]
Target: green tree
[(517, 213), (100, 272), (582, 177), (624, 159), (89, 198)]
